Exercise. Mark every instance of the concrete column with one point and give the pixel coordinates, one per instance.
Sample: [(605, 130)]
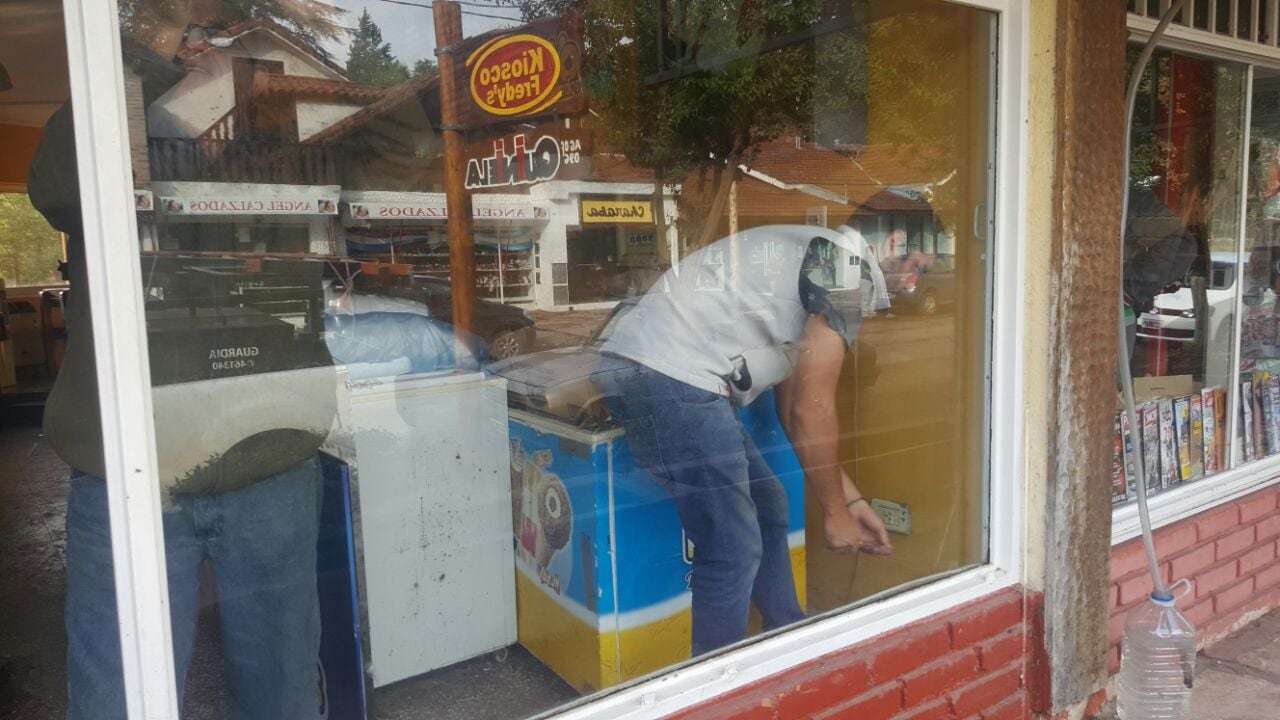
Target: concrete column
[(1083, 274)]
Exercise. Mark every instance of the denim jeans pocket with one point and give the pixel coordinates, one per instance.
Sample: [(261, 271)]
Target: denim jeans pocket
[(686, 394), (646, 449)]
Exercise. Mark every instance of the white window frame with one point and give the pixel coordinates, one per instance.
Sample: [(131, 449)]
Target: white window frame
[(123, 367), (1181, 503), (106, 180)]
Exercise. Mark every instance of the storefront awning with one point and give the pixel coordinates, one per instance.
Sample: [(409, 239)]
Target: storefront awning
[(202, 198), (372, 206)]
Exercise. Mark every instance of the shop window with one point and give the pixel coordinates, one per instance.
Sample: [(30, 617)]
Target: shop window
[(750, 391), (1182, 268), (1259, 364), (1195, 277)]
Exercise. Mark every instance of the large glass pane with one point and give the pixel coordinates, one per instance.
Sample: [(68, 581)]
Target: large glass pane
[(1181, 267), (639, 332), (1259, 434)]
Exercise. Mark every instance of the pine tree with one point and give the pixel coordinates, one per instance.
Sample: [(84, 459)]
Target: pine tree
[(369, 59)]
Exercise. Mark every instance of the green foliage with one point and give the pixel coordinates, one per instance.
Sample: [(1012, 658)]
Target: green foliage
[(29, 248), (369, 59), (425, 66)]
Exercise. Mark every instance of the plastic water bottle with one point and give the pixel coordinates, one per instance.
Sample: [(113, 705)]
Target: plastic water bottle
[(1158, 663)]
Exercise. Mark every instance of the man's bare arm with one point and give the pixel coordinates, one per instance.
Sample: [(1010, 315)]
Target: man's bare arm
[(807, 407)]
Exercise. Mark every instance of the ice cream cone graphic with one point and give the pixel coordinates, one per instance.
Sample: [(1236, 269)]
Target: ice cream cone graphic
[(555, 518)]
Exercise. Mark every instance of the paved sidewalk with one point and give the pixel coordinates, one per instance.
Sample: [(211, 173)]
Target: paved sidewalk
[(1239, 677)]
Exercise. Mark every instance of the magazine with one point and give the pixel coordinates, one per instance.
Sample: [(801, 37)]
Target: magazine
[(1168, 445), (1259, 449), (1182, 427), (1267, 420), (1220, 421), (1246, 418), (1197, 437), (1117, 462), (1150, 414), (1209, 422), (1273, 392)]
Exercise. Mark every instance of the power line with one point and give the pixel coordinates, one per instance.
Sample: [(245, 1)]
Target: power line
[(495, 5), (428, 6)]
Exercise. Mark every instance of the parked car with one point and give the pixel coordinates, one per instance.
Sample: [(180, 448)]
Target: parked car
[(564, 382), (507, 330), (919, 282), (1172, 315)]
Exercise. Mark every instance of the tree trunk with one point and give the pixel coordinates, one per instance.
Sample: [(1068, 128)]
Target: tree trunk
[(721, 198), (661, 246)]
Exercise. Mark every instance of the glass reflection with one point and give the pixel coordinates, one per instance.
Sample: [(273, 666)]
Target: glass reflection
[(1181, 266), (725, 362)]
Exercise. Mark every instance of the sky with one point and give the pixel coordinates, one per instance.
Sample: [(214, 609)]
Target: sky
[(410, 30)]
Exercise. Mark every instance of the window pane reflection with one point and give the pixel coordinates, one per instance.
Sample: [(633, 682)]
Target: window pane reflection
[(1181, 267), (704, 358)]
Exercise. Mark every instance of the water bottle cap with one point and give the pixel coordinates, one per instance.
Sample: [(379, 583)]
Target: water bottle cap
[(1163, 600)]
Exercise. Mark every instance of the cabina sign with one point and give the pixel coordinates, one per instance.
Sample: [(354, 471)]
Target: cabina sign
[(535, 70), (515, 164)]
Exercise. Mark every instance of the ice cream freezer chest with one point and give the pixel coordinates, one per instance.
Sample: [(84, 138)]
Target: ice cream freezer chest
[(602, 564)]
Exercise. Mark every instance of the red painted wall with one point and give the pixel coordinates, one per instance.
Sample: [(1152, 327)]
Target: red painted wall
[(965, 664), (1230, 553)]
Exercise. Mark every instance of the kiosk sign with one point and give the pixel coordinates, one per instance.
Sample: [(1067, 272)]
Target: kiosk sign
[(533, 70), (515, 75)]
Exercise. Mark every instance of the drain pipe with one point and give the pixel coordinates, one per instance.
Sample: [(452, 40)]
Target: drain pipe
[(1122, 356)]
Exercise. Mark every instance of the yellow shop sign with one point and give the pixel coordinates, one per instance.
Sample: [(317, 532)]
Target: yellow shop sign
[(639, 212)]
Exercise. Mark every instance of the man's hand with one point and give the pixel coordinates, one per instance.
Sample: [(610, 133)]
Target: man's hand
[(856, 529), (874, 535)]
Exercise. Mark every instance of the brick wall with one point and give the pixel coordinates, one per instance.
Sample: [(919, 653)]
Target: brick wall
[(1231, 554), (136, 115), (965, 664)]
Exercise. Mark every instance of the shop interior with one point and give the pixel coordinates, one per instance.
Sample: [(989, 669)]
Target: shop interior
[(911, 420)]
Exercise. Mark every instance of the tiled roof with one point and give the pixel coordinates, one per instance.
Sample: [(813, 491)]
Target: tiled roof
[(856, 172), (391, 98), (240, 29), (788, 180), (298, 86)]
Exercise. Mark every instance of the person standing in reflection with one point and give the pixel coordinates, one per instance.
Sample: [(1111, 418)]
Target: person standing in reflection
[(249, 506), (731, 321)]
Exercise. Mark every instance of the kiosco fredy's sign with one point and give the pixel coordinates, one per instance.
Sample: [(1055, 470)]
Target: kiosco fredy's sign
[(533, 70), (638, 212)]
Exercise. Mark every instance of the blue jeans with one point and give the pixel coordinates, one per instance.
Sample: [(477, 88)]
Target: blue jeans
[(261, 543), (730, 503)]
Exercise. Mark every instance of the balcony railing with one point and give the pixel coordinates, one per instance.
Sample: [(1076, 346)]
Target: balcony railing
[(244, 160)]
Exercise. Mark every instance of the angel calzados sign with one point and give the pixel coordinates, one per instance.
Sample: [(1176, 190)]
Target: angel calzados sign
[(533, 70)]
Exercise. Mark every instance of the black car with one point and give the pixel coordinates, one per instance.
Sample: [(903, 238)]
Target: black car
[(507, 330)]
